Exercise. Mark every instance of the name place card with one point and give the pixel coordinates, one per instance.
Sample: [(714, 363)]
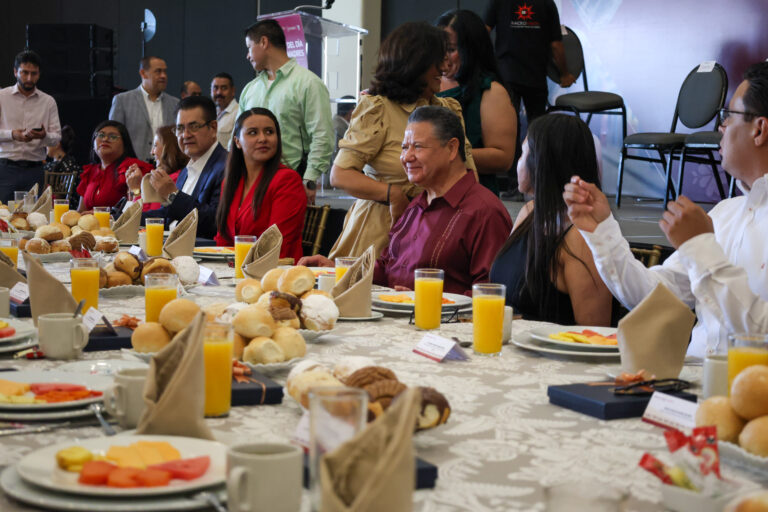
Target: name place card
[(440, 349), (207, 277), (669, 411), (19, 293)]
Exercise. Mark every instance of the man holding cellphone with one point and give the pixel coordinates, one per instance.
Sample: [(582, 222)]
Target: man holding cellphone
[(29, 121)]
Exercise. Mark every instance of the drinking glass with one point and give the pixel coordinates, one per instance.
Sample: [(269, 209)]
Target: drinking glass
[(745, 349), (102, 215), (488, 318), (18, 201), (159, 290), (85, 281), (243, 244), (342, 265), (428, 291), (10, 247), (336, 414), (154, 228), (217, 354), (29, 201), (60, 207)]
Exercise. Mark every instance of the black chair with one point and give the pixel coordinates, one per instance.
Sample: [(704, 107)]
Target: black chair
[(701, 96), (62, 183), (588, 102), (707, 144)]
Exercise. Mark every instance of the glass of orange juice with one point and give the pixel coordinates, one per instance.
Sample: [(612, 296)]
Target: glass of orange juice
[(11, 249), (102, 215), (243, 244), (159, 290), (745, 349), (60, 207), (217, 355), (488, 318), (342, 265), (428, 290), (155, 228), (85, 281)]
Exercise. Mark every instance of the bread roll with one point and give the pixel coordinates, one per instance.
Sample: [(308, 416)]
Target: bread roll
[(248, 290), (290, 341), (63, 228), (156, 266), (261, 350), (118, 278), (105, 232), (213, 311), (348, 365), (82, 240), (319, 313), (755, 503), (20, 223), (88, 222), (749, 392), (253, 321), (187, 269), (178, 314), (296, 280), (106, 244), (368, 375), (129, 264), (38, 246), (754, 436), (238, 344), (37, 220), (717, 411), (23, 242), (61, 246), (70, 218), (305, 365), (316, 292), (49, 233), (269, 280), (149, 337), (104, 276), (78, 229), (284, 317), (300, 386)]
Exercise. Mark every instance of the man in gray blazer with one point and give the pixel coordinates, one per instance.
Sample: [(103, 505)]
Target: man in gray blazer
[(146, 108)]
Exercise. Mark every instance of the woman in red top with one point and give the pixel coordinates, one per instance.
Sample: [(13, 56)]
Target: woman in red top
[(168, 157), (103, 182), (258, 191)]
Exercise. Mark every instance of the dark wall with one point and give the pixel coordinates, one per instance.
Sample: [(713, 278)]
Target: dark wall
[(397, 12)]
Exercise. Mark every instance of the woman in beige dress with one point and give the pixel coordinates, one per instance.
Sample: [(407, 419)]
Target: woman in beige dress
[(368, 162)]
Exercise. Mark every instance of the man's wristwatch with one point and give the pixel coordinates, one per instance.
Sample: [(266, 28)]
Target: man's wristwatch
[(310, 184), (170, 198)]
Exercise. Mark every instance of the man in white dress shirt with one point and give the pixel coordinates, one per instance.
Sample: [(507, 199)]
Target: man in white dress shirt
[(227, 108), (719, 267)]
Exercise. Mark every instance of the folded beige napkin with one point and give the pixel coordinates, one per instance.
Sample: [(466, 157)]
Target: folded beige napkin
[(174, 392), (35, 189), (353, 293), (126, 227), (44, 203), (374, 471), (181, 241), (9, 276), (148, 192), (654, 335), (264, 254), (46, 293)]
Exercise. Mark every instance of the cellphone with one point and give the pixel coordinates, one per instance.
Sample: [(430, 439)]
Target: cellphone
[(38, 129)]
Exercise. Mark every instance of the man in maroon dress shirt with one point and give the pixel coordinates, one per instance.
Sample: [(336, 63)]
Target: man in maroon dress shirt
[(456, 224)]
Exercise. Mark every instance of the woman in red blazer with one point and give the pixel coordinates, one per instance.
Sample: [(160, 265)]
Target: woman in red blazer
[(258, 190)]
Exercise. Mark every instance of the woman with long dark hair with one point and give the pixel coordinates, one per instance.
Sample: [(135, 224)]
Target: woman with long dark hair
[(367, 165), (470, 76), (102, 182), (167, 155), (547, 266), (258, 190)]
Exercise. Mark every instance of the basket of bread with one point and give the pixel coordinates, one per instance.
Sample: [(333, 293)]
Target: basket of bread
[(75, 232), (126, 273), (381, 384)]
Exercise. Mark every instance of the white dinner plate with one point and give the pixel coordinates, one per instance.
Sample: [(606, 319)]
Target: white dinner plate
[(408, 312), (40, 468), (105, 367), (542, 334), (461, 301), (375, 315), (144, 356), (543, 348), (273, 367), (15, 487), (15, 347), (37, 415), (123, 290), (52, 257), (23, 330), (93, 382), (213, 255), (310, 336)]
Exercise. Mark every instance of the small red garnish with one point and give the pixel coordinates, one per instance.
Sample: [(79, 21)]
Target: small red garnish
[(82, 253)]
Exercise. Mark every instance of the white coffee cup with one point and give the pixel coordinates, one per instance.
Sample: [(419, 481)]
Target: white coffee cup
[(715, 375), (506, 330), (5, 302), (125, 401), (264, 477), (326, 282), (61, 336)]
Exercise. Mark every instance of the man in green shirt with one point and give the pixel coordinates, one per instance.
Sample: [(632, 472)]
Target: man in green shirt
[(296, 96)]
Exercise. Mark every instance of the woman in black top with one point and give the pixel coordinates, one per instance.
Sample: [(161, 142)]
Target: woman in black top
[(546, 265), (60, 160)]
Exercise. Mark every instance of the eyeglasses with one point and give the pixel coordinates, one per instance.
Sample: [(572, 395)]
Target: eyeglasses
[(647, 387), (193, 127), (111, 137), (724, 114)]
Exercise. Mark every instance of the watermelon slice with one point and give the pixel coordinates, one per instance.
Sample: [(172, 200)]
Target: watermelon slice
[(40, 388), (185, 469)]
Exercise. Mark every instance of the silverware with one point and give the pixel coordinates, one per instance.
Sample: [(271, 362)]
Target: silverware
[(212, 500), (37, 429), (79, 308), (97, 409)]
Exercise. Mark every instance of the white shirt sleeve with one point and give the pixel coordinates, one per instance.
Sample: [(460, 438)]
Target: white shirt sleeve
[(627, 278), (721, 287)]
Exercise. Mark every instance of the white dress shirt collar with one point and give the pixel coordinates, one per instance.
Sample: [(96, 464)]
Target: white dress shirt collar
[(194, 169)]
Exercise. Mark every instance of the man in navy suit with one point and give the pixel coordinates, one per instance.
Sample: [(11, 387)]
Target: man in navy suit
[(199, 183)]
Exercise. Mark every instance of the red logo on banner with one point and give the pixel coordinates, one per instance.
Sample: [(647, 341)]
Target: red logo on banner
[(524, 12)]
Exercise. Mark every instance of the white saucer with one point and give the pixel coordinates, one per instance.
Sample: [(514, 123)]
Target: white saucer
[(535, 347), (375, 315)]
